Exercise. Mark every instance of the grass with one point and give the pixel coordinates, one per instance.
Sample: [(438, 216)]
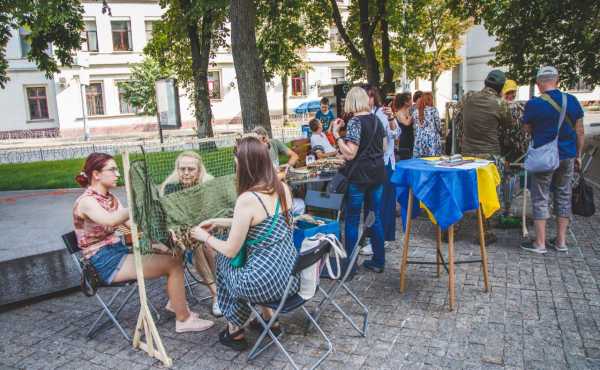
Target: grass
[(61, 174)]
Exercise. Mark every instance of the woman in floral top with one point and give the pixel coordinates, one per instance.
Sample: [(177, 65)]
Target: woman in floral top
[(427, 126)]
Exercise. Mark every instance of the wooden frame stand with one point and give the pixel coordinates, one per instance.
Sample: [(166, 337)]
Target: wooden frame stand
[(439, 259), (153, 344)]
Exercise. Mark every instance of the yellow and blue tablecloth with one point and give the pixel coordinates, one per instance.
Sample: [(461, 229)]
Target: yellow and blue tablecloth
[(447, 193)]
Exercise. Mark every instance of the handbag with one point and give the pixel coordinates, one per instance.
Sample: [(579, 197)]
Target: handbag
[(582, 201), (309, 277), (339, 182), (89, 278), (546, 157)]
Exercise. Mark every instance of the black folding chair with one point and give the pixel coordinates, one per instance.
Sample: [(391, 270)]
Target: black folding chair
[(130, 287), (324, 201), (337, 285), (288, 304)]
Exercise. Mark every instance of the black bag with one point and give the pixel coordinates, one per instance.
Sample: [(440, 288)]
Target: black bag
[(89, 278), (582, 202), (339, 182)]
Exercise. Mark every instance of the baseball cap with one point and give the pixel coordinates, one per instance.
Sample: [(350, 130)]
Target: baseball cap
[(546, 71), (495, 79)]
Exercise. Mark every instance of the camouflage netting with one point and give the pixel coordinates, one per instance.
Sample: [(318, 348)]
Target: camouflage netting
[(157, 216)]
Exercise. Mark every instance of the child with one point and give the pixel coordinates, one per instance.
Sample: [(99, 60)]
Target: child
[(326, 117)]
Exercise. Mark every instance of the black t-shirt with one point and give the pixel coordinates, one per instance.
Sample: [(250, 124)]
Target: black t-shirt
[(367, 167)]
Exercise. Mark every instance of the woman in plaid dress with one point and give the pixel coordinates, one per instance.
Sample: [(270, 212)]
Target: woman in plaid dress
[(261, 225)]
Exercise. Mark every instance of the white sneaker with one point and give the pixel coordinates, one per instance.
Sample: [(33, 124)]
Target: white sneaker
[(216, 310), (367, 250), (193, 323)]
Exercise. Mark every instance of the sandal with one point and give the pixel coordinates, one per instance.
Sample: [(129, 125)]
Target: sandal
[(275, 328), (228, 339)]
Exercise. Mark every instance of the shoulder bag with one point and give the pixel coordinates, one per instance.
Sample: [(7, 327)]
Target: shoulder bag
[(546, 157)]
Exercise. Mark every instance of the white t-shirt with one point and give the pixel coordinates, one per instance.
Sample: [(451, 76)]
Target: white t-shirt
[(320, 142)]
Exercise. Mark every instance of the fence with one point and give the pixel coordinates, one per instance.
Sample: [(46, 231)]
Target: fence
[(82, 150)]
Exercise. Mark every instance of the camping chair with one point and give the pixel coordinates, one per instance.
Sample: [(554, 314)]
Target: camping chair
[(332, 292), (130, 287), (192, 278), (288, 304)]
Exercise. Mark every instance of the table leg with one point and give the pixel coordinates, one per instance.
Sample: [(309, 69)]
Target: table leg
[(438, 241), (451, 266), (404, 263), (482, 249)]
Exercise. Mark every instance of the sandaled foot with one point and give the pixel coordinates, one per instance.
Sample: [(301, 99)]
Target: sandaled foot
[(235, 341), (255, 325), (193, 323), (215, 309)]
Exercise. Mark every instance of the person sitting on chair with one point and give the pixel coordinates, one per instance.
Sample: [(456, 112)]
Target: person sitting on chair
[(319, 143), (96, 215), (189, 171), (261, 230)]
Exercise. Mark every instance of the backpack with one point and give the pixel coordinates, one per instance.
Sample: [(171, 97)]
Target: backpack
[(309, 277)]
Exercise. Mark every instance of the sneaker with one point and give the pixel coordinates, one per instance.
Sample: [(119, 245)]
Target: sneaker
[(529, 246), (367, 250), (562, 248), (193, 323), (216, 310)]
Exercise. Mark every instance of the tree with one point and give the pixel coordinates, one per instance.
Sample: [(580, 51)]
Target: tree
[(139, 91), (53, 22), (284, 30), (533, 33), (431, 36), (248, 65), (183, 41)]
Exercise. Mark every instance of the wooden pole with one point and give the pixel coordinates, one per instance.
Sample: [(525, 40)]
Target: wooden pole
[(438, 242), (482, 249), (451, 266), (145, 320), (403, 264)]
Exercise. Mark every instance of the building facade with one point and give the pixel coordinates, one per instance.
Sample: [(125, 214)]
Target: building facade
[(34, 105)]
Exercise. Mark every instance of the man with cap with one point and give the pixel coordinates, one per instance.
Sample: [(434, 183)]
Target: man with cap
[(484, 114), (541, 119)]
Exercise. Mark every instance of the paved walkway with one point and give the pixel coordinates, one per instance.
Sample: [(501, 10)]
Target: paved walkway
[(543, 312)]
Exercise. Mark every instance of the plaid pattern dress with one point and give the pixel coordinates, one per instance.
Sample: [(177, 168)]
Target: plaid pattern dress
[(265, 274)]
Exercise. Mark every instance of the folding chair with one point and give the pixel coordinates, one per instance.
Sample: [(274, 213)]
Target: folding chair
[(331, 293), (191, 278), (288, 304), (324, 201), (130, 287)]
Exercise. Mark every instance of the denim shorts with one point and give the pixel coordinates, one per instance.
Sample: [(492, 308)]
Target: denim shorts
[(108, 260)]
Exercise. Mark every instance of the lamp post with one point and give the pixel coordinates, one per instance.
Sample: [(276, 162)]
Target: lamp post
[(83, 62)]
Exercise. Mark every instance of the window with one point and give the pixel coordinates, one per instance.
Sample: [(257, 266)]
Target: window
[(125, 106), (214, 85), (24, 33), (121, 35), (338, 75), (94, 99), (38, 103), (299, 84), (90, 36), (335, 40), (149, 27)]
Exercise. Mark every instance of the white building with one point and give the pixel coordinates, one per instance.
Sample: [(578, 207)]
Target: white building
[(31, 102)]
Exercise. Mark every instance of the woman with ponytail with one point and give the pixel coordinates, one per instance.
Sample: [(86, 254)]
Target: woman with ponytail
[(96, 215)]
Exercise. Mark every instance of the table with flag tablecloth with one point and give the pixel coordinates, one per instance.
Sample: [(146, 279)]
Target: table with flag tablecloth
[(445, 193)]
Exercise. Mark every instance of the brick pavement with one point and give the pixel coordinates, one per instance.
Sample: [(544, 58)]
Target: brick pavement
[(543, 312)]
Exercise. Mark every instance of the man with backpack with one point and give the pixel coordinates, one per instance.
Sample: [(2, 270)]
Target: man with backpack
[(554, 116)]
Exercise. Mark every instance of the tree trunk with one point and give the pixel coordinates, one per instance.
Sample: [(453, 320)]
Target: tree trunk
[(284, 88), (434, 78), (200, 51), (388, 86), (248, 66), (366, 33), (531, 89)]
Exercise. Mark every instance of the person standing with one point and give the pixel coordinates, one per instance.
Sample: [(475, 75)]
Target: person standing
[(427, 126), (363, 149), (325, 115), (402, 111), (541, 118)]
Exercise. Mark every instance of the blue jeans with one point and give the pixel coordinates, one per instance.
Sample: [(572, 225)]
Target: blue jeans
[(355, 198), (388, 206)]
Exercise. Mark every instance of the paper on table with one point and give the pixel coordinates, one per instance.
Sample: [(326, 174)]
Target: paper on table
[(473, 165)]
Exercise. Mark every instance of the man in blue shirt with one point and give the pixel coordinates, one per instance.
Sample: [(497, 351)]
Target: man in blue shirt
[(541, 120)]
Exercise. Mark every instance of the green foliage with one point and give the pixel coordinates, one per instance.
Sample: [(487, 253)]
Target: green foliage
[(532, 33), (140, 89), (284, 30), (56, 22)]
